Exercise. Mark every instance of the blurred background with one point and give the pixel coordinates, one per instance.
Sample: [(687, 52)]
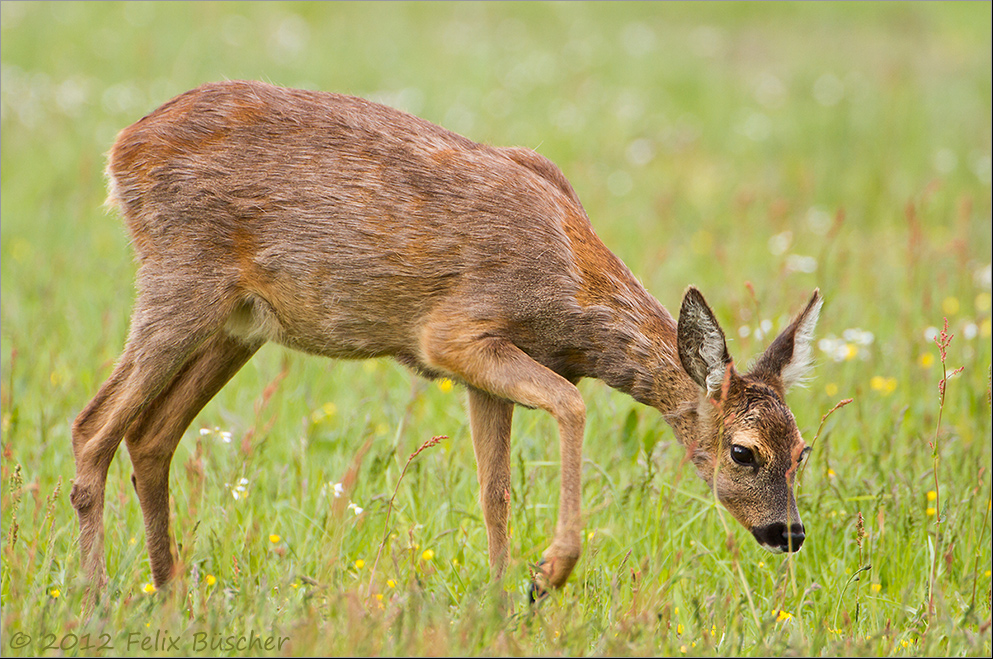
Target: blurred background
[(694, 133)]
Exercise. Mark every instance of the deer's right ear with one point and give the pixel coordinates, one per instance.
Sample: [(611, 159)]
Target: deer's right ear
[(700, 342), (787, 360)]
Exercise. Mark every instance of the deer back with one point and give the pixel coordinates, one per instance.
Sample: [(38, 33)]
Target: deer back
[(341, 225)]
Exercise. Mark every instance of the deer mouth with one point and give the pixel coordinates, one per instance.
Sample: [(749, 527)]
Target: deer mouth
[(780, 538)]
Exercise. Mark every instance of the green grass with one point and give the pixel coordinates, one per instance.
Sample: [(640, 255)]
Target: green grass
[(755, 150)]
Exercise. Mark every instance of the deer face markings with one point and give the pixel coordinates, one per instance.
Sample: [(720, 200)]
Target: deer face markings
[(753, 474)]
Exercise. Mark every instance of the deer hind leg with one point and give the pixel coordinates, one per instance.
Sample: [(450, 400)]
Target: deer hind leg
[(153, 438), (94, 440), (490, 420), (165, 331), (501, 369)]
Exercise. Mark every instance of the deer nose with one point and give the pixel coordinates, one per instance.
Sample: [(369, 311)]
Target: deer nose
[(779, 537)]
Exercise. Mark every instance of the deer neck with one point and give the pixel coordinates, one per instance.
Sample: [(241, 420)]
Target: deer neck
[(630, 342), (630, 338)]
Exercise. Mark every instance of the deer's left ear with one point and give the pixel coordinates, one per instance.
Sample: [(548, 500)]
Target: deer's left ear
[(787, 360), (700, 343)]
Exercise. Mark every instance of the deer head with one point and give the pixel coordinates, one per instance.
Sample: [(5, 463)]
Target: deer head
[(745, 443)]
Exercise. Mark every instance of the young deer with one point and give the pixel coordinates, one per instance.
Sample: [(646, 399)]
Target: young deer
[(344, 228)]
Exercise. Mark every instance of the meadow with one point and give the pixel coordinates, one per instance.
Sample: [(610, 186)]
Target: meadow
[(757, 151)]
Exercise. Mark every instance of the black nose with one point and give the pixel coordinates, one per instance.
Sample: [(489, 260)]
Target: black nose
[(779, 537)]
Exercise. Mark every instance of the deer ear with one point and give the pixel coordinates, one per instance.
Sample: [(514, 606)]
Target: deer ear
[(787, 359), (700, 343)]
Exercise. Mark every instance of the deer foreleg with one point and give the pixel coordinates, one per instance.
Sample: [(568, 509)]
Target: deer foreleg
[(490, 419), (503, 370)]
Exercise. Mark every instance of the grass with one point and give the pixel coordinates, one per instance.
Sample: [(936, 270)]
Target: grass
[(757, 151)]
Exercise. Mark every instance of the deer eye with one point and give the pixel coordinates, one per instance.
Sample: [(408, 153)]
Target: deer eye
[(742, 455)]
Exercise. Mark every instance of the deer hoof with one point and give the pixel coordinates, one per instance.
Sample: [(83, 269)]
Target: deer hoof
[(537, 591)]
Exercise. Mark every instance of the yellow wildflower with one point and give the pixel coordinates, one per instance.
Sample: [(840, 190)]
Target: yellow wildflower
[(149, 588), (831, 389), (359, 564), (885, 386), (323, 412), (210, 579), (950, 305), (274, 539), (782, 616), (428, 555), (926, 360), (55, 593), (445, 385), (932, 495)]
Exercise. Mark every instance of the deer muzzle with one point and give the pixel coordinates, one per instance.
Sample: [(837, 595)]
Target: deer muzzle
[(779, 538)]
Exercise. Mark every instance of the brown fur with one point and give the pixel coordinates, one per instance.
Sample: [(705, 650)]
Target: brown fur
[(347, 229)]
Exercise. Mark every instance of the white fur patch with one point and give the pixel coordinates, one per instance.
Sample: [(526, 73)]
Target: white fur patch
[(253, 322), (796, 371), (712, 353)]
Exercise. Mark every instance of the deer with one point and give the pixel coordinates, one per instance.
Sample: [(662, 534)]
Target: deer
[(343, 228)]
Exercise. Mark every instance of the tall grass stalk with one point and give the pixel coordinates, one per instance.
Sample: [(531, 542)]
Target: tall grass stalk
[(942, 340), (434, 441)]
